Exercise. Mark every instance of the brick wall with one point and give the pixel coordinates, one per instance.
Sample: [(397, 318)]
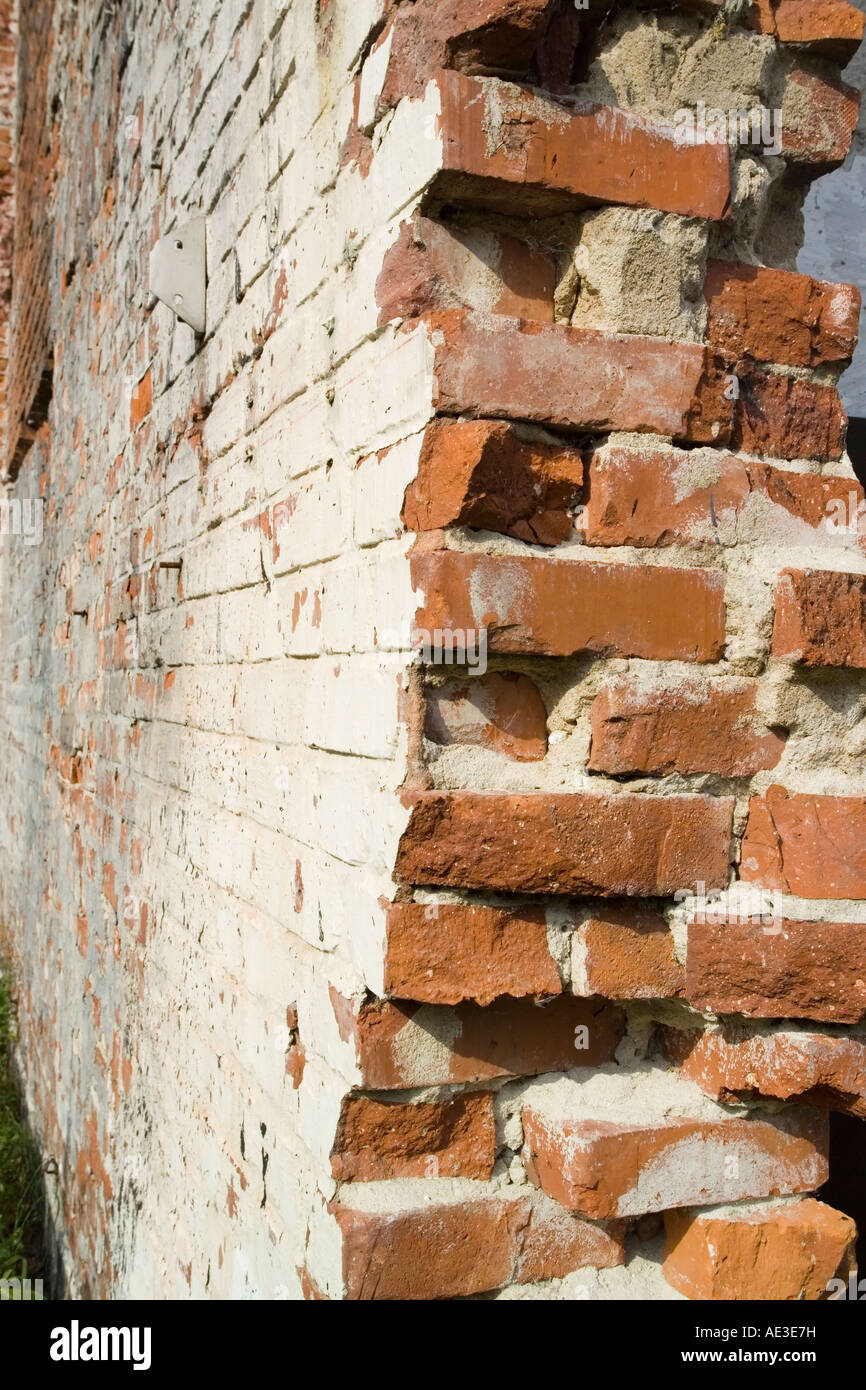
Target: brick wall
[(364, 972)]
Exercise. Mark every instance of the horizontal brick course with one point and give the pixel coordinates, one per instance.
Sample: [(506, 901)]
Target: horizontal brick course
[(566, 842), (443, 953), (583, 379), (400, 1045), (783, 970), (692, 726), (605, 1168), (557, 608), (450, 1250)]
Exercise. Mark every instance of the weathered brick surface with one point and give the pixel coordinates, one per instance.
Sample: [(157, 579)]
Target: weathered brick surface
[(556, 608), (399, 1045), (739, 1061), (582, 379), (486, 475), (443, 953), (821, 618), (626, 953), (809, 845), (653, 496), (423, 1252), (777, 316), (696, 726), (787, 1253), (496, 135), (440, 1139), (787, 970), (504, 712), (603, 1167), (570, 843), (435, 267)]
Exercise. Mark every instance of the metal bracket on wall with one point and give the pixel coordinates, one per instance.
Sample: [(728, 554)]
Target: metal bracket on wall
[(178, 272)]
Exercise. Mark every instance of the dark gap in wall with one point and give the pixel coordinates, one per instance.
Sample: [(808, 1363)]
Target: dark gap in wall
[(846, 1189)]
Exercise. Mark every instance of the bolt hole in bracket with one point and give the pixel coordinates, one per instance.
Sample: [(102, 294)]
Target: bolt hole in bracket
[(178, 272)]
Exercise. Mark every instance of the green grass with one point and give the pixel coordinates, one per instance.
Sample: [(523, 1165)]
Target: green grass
[(20, 1175)]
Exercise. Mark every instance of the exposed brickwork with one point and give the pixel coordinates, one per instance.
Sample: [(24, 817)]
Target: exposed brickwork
[(392, 841)]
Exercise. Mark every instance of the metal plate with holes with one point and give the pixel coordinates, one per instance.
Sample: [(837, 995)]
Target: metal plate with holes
[(178, 272)]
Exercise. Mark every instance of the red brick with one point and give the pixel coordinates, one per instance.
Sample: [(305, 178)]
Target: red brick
[(604, 1168), (378, 1140), (450, 1250), (445, 953), (811, 846), (558, 608), (498, 136), (788, 417), (787, 970), (821, 618), (626, 953), (687, 726), (737, 1063), (832, 28), (787, 1253), (819, 117), (488, 475), (779, 316), (470, 35), (432, 266), (662, 496), (499, 710), (141, 402), (579, 378), (398, 1043), (577, 843)]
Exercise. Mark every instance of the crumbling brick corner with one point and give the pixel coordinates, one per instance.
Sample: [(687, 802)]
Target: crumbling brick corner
[(434, 830)]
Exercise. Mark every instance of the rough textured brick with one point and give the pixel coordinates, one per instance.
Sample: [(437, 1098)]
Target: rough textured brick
[(787, 970), (496, 136), (503, 712), (378, 1140), (443, 953), (403, 1045), (778, 316), (819, 117), (450, 1250), (691, 726), (604, 1168), (626, 953), (765, 1253), (812, 846), (583, 379), (436, 267), (493, 476), (821, 618), (566, 843), (662, 496), (788, 417), (470, 35), (738, 1062), (556, 608)]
